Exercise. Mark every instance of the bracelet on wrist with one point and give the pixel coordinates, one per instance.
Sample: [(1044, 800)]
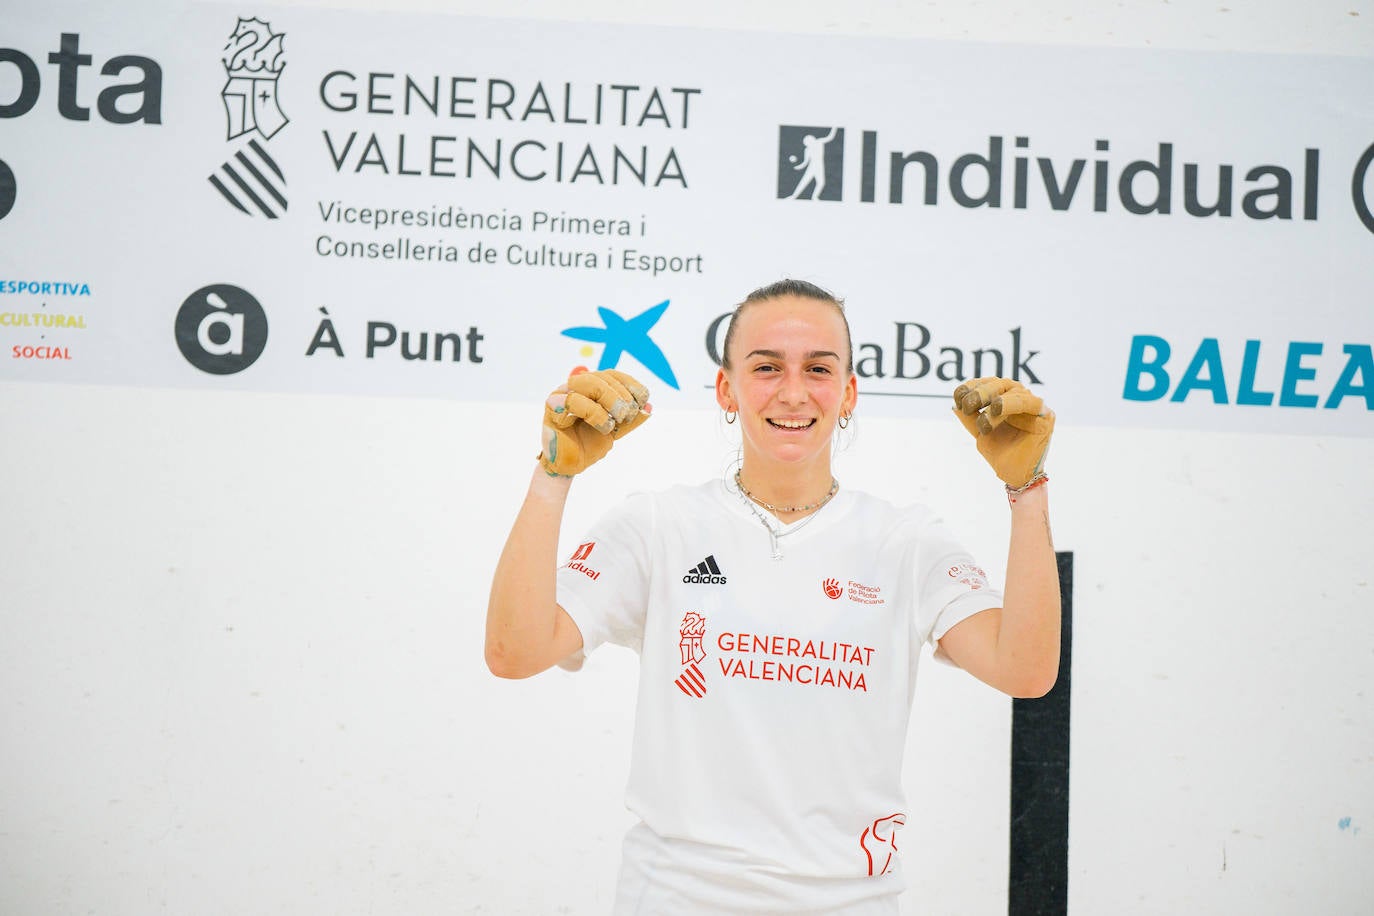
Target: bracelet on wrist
[(1038, 480)]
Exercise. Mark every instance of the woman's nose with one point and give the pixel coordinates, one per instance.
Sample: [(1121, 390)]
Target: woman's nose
[(793, 390)]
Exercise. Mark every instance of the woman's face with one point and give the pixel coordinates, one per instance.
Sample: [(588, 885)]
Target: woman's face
[(788, 378)]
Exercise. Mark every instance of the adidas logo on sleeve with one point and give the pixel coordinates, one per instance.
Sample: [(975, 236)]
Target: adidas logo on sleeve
[(706, 572)]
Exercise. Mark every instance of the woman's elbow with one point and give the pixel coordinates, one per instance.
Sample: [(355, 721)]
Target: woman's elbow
[(1032, 685), (502, 664)]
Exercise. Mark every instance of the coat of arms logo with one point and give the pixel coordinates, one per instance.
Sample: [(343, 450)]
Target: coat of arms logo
[(253, 61)]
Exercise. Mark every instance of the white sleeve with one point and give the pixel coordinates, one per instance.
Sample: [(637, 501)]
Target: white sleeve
[(604, 583), (950, 585)]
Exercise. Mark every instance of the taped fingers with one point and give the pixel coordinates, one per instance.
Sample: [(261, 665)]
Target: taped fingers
[(636, 390), (1016, 400), (967, 387), (1029, 420), (640, 394), (591, 412), (980, 392), (634, 421), (606, 390)]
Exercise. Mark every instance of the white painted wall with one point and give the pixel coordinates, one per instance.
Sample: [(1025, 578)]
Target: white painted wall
[(240, 635)]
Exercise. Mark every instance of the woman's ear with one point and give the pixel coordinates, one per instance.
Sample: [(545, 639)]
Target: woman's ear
[(724, 397)]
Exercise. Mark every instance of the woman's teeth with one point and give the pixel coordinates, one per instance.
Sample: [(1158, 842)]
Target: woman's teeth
[(792, 424)]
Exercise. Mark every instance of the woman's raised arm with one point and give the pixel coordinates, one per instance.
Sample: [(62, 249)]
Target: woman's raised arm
[(527, 632)]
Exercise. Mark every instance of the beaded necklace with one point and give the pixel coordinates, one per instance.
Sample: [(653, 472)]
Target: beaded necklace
[(834, 488), (774, 525)]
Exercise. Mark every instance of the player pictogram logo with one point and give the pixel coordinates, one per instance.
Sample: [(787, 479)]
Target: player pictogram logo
[(879, 843), (707, 572), (583, 551), (693, 632), (832, 588), (253, 61), (221, 329), (810, 163)]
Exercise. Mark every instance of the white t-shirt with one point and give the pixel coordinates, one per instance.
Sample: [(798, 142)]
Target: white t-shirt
[(776, 678)]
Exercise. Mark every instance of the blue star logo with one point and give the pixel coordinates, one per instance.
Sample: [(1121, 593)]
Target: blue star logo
[(630, 336)]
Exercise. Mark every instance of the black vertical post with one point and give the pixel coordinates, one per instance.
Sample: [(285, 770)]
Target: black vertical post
[(1038, 884)]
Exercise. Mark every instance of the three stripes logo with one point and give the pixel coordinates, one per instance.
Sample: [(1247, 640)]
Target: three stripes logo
[(692, 682), (251, 180), (706, 572), (693, 632), (268, 198)]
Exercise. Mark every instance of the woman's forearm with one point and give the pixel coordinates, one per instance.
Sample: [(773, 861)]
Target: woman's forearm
[(526, 630), (1028, 641)]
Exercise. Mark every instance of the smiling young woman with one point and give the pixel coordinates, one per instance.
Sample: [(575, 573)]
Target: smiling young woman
[(787, 373), (779, 619)]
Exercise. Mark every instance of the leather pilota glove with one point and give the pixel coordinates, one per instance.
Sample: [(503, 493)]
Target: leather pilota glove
[(584, 417), (1012, 426)]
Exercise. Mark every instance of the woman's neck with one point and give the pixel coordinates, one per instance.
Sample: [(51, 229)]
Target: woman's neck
[(792, 490)]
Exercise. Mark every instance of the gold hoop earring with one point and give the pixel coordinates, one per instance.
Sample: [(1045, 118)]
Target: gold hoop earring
[(844, 420), (731, 415)]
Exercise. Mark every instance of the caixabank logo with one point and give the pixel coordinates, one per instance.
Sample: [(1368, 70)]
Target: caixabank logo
[(221, 329), (250, 180), (1008, 174), (130, 92), (918, 359), (620, 336)]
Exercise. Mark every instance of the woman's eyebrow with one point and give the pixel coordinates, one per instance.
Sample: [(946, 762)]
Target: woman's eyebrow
[(774, 354)]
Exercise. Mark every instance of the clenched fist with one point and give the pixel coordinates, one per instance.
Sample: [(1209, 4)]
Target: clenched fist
[(1011, 425), (584, 417)]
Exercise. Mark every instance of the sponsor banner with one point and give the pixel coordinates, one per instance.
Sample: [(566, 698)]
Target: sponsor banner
[(301, 199)]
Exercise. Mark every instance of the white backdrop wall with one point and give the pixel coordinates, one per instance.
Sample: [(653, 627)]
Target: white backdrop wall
[(240, 631)]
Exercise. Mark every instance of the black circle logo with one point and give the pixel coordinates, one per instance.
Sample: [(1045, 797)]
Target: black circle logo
[(8, 190), (1358, 187), (221, 329)]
